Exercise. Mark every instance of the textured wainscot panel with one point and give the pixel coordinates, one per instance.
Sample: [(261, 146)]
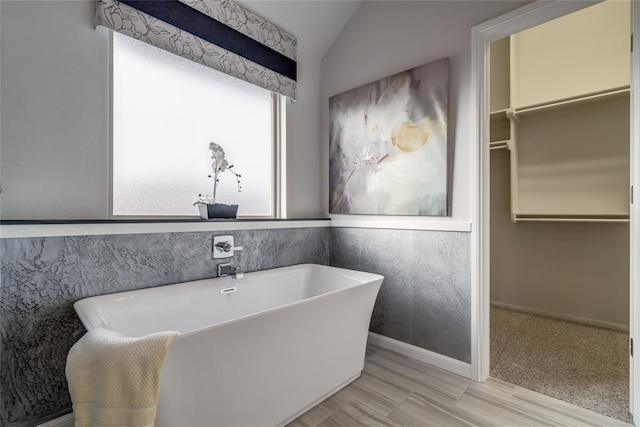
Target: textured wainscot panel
[(42, 277), (425, 297)]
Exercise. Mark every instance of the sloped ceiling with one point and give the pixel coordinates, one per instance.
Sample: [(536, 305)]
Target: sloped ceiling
[(316, 23)]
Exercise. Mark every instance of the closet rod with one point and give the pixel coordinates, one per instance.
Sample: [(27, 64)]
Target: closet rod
[(583, 99)]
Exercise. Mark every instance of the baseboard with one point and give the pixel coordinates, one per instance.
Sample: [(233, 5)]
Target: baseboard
[(583, 320), (63, 421), (426, 356)]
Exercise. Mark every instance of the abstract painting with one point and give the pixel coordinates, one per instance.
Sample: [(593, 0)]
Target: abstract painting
[(388, 145)]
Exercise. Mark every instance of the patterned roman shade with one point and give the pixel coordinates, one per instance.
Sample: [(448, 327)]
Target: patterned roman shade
[(220, 34)]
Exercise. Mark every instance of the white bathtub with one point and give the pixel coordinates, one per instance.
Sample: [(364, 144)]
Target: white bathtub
[(286, 339)]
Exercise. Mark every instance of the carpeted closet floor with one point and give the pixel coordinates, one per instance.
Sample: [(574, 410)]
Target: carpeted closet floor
[(583, 365)]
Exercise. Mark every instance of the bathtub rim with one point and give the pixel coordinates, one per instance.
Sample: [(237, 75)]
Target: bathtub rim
[(84, 315)]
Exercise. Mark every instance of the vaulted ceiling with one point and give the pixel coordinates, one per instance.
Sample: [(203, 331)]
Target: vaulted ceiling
[(316, 23)]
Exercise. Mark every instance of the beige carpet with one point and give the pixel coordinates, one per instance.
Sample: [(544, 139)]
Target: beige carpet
[(582, 365)]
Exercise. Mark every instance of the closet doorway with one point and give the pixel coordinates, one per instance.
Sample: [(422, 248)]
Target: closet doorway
[(554, 235)]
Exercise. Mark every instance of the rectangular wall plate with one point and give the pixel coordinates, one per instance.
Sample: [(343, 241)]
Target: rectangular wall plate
[(223, 246)]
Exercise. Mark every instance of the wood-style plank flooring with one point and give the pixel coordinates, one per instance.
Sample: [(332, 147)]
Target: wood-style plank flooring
[(398, 391)]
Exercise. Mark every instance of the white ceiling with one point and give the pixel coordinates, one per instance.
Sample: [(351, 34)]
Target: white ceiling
[(316, 23)]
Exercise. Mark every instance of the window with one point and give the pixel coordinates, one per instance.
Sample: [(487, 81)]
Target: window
[(166, 111)]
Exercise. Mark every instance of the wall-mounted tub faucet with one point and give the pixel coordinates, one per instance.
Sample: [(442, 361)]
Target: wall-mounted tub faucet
[(228, 269)]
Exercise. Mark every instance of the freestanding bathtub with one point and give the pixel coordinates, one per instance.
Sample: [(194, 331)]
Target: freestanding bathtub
[(257, 351)]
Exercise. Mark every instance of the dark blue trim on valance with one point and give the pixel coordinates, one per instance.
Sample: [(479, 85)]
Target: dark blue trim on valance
[(197, 23)]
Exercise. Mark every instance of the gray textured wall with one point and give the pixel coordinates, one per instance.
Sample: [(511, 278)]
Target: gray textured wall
[(42, 277), (425, 299)]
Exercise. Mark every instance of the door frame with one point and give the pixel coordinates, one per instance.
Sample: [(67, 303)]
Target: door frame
[(481, 36), (634, 274)]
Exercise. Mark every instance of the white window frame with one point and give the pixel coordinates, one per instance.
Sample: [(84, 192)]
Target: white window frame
[(278, 158)]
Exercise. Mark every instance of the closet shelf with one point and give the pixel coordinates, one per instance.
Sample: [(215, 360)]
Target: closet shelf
[(499, 145), (582, 100), (498, 114), (568, 218), (564, 110)]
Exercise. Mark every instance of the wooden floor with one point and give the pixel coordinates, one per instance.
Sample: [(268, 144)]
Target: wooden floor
[(397, 391)]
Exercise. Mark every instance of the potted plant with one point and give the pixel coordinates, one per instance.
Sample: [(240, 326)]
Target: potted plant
[(206, 204)]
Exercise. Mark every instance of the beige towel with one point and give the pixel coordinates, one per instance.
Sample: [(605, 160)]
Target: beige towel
[(114, 380)]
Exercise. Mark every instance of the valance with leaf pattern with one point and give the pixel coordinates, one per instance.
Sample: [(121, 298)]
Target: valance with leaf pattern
[(219, 34)]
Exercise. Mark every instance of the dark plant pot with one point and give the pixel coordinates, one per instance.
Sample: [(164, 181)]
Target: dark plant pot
[(217, 210)]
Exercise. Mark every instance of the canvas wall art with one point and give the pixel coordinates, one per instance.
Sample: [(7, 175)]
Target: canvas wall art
[(388, 145)]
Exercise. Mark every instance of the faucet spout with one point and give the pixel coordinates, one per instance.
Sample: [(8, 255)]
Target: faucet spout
[(227, 269)]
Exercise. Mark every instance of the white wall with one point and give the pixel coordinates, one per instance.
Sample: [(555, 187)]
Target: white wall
[(55, 114), (303, 142), (387, 37), (54, 101), (54, 107)]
